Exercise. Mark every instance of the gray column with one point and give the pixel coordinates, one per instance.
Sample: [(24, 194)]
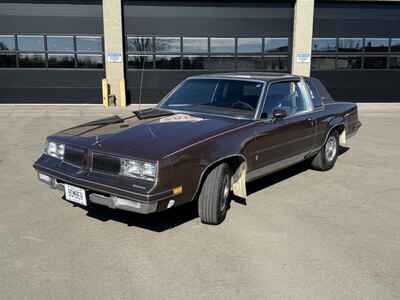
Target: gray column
[(302, 37), (113, 47)]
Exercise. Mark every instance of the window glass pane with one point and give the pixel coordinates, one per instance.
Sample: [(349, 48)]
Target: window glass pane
[(194, 62), (315, 97), (31, 43), (168, 44), (324, 45), (376, 45), (276, 63), (350, 44), (395, 45), (349, 62), (140, 61), (168, 62), (61, 61), (195, 45), (395, 62), (249, 63), (222, 45), (32, 60), (90, 61), (140, 44), (89, 44), (221, 62), (284, 95), (323, 63), (8, 60), (7, 42), (60, 43), (375, 62), (276, 45), (249, 45)]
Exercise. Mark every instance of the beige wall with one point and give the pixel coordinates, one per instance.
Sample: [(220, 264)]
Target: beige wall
[(113, 43), (302, 37)]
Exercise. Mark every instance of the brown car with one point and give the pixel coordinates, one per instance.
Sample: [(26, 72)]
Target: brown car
[(206, 139)]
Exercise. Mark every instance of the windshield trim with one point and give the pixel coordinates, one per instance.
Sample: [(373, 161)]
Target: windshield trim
[(253, 117)]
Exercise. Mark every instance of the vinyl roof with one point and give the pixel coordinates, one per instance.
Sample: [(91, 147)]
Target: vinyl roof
[(265, 76)]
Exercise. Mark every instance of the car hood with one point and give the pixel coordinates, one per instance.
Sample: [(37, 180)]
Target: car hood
[(150, 138)]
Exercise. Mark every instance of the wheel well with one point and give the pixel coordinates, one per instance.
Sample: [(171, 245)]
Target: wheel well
[(233, 162)]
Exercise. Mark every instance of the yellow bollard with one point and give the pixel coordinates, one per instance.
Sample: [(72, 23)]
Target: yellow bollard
[(122, 93), (105, 91)]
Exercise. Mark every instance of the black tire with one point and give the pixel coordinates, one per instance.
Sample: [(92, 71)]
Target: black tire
[(324, 161), (214, 196)]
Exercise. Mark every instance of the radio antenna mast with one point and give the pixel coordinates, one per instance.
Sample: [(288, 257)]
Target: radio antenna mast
[(141, 82)]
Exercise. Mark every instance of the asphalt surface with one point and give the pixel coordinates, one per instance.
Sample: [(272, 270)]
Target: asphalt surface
[(302, 234)]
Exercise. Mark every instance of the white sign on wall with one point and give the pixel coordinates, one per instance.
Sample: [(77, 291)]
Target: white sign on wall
[(114, 57), (303, 58)]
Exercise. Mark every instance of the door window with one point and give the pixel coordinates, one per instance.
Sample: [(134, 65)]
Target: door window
[(284, 95)]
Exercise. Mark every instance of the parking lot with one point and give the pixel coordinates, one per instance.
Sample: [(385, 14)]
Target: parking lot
[(301, 235)]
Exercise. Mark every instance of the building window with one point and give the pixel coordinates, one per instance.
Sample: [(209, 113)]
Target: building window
[(221, 62), (395, 62), (350, 44), (324, 45), (375, 62), (195, 45), (168, 44), (61, 61), (194, 62), (32, 60), (249, 63), (222, 45), (323, 63), (276, 63), (249, 45), (60, 43), (92, 44), (140, 44), (349, 62), (140, 61), (8, 60), (90, 61), (168, 62), (31, 43), (276, 45), (7, 43), (376, 45), (395, 45)]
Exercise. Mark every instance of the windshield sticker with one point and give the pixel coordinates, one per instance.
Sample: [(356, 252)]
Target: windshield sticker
[(181, 118)]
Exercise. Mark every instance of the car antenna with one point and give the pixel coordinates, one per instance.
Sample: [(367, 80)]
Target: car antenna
[(141, 82)]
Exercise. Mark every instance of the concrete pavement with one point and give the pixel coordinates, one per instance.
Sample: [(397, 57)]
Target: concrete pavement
[(302, 235)]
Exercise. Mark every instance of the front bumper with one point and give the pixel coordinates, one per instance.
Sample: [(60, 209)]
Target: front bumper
[(109, 196)]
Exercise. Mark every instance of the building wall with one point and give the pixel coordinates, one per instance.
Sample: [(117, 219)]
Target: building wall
[(374, 73), (74, 84)]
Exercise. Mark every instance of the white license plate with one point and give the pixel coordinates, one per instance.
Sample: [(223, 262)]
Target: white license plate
[(75, 194)]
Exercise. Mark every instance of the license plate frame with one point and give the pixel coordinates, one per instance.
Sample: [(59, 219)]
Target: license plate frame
[(75, 194)]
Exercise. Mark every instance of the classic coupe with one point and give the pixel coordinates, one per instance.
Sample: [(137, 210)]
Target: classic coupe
[(203, 142)]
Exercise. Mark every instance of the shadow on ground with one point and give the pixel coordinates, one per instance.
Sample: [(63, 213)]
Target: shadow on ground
[(169, 219)]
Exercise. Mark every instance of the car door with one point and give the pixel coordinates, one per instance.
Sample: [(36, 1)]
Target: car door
[(284, 141)]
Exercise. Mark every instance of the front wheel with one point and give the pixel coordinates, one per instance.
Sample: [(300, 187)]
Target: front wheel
[(214, 195), (327, 156)]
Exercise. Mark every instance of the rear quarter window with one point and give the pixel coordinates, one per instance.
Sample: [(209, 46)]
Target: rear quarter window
[(314, 93)]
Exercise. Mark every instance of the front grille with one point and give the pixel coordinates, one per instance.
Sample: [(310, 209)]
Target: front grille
[(75, 156), (105, 164)]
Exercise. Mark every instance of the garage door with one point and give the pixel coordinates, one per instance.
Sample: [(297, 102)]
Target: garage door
[(51, 52), (167, 42)]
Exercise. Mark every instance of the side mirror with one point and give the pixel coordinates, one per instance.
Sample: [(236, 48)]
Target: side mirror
[(279, 113)]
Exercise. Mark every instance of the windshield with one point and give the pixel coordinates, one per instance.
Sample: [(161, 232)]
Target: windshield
[(238, 98)]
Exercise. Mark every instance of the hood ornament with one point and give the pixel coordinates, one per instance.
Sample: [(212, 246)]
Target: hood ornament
[(97, 142)]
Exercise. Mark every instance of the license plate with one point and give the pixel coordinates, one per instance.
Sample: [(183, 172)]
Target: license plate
[(75, 194)]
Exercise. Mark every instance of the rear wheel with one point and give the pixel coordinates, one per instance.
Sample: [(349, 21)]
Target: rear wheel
[(214, 195), (327, 156)]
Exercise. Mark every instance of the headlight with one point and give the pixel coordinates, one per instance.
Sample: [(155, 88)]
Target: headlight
[(138, 169), (56, 150)]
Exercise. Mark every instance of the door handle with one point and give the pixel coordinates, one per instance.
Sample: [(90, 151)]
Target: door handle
[(311, 121)]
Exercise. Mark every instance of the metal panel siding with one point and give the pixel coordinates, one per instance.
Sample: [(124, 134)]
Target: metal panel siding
[(198, 19)]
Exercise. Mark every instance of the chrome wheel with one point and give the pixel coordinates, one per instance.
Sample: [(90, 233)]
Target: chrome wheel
[(330, 148), (225, 192)]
